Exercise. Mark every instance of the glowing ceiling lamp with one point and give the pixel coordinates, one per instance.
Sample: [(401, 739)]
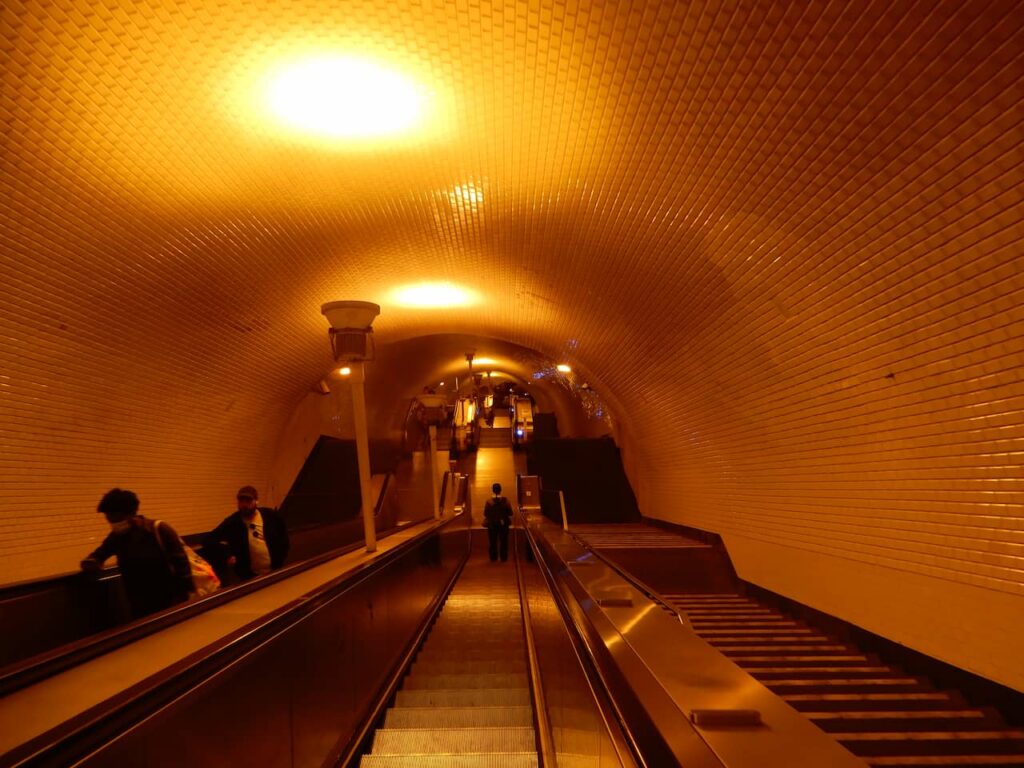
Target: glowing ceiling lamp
[(433, 296), (345, 97), (563, 368)]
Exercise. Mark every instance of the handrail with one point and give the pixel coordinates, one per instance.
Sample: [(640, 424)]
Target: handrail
[(640, 585), (35, 668), (31, 670), (134, 704), (623, 739), (545, 741), (382, 494), (439, 512)]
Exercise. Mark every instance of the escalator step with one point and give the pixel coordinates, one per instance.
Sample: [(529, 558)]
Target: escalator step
[(475, 697), (478, 680), (517, 760), (459, 717), (461, 666), (407, 741)]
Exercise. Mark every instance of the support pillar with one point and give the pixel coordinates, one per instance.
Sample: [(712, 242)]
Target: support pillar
[(435, 489), (357, 379)]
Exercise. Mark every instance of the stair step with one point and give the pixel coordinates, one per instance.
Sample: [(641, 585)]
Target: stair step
[(763, 673), (958, 719), (459, 717), (908, 684), (471, 697), (746, 632), (762, 649), (488, 760), (750, 662), (478, 680), (406, 741), (768, 641), (848, 702), (949, 761), (725, 622), (907, 743)]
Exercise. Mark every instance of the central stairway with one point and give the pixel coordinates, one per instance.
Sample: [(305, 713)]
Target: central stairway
[(465, 702), (879, 713)]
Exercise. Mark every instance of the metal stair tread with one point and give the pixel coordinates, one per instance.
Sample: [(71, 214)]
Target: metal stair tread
[(452, 740), (464, 760)]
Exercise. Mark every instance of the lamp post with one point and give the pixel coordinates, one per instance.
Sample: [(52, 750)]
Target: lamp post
[(351, 324)]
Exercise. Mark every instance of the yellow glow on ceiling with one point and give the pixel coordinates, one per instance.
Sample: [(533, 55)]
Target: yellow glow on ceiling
[(484, 361), (433, 296), (345, 98), (466, 196)]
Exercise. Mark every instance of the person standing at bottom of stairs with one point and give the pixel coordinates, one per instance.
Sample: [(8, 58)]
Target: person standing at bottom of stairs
[(497, 521)]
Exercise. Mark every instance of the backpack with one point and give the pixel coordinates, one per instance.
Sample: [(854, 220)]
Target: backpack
[(204, 579)]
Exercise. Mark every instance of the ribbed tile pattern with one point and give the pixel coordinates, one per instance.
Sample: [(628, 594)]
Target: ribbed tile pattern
[(780, 241)]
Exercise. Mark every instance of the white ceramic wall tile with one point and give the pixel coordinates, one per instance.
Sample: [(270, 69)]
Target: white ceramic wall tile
[(782, 239)]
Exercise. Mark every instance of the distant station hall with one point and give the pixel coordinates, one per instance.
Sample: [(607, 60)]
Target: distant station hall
[(512, 384)]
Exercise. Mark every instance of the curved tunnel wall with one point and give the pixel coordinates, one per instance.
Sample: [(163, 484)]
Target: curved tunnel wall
[(783, 243)]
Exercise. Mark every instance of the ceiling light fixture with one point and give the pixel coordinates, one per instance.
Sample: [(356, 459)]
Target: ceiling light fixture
[(433, 296), (345, 97)]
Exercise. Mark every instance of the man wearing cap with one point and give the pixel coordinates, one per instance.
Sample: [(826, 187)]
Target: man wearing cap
[(256, 538)]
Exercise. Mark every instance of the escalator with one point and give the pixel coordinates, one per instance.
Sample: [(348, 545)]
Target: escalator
[(466, 699)]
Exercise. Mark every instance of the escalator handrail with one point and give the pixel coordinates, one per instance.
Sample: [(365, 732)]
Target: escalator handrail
[(650, 592), (35, 668), (41, 666), (625, 741), (132, 705)]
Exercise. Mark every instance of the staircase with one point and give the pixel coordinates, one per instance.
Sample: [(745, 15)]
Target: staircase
[(878, 713), (466, 700)]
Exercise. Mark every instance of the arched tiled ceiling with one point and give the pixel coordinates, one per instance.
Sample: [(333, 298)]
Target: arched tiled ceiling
[(784, 238)]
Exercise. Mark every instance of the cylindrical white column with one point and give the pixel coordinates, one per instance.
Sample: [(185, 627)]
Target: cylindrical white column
[(356, 379), (434, 485)]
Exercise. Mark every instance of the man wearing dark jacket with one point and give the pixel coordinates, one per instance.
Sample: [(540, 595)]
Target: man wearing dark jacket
[(256, 538), (154, 568), (497, 521)]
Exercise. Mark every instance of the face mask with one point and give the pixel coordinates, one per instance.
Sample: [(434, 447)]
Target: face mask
[(122, 527)]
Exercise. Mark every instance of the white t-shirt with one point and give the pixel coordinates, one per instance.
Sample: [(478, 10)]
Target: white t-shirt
[(259, 555)]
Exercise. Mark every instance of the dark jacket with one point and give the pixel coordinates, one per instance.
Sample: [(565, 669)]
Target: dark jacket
[(497, 513), (233, 532), (155, 577)]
